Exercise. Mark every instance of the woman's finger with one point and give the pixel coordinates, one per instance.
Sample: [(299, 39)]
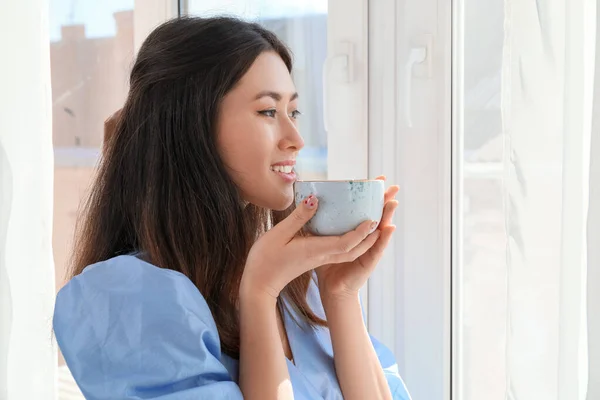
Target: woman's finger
[(289, 227), (325, 246), (357, 251), (388, 213), (372, 257), (390, 193)]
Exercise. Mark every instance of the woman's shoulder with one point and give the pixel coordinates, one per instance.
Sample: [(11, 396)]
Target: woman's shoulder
[(130, 276), (128, 329), (132, 283), (126, 267)]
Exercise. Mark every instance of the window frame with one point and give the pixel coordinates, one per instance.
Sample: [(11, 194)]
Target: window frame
[(411, 291)]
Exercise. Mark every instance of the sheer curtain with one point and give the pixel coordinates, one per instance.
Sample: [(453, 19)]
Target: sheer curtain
[(550, 123), (27, 352)]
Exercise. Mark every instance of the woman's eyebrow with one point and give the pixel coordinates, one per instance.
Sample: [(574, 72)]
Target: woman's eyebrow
[(274, 95)]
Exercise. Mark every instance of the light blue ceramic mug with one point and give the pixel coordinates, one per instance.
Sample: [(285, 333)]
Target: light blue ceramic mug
[(343, 205)]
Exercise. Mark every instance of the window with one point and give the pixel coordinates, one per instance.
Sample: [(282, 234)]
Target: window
[(91, 52), (485, 113)]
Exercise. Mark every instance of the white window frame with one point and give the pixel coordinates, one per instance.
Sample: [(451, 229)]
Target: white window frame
[(458, 173), (412, 288)]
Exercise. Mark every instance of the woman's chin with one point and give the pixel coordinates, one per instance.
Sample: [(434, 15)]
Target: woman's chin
[(280, 203), (282, 208)]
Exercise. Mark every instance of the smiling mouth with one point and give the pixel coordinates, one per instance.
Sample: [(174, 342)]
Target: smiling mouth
[(285, 172), (286, 169)]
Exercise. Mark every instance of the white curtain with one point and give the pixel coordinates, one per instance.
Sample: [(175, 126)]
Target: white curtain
[(550, 115), (27, 352)]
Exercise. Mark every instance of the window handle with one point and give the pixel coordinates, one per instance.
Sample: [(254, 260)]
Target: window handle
[(417, 55), (343, 65)]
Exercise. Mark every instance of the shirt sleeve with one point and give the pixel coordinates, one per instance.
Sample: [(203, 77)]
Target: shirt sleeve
[(129, 330)]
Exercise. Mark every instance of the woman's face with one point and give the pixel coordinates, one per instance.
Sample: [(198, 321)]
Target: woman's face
[(257, 133)]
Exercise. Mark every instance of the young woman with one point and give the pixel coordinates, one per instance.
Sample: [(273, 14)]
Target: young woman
[(192, 278)]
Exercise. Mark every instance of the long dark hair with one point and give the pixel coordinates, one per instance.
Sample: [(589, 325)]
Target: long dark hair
[(162, 188)]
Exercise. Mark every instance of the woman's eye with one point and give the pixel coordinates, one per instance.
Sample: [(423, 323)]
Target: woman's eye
[(272, 113), (268, 113)]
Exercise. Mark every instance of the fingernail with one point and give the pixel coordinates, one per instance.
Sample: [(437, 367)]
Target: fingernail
[(311, 202), (373, 225)]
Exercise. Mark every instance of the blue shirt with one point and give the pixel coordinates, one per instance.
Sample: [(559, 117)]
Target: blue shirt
[(131, 330)]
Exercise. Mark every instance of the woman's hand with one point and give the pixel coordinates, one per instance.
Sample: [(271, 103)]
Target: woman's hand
[(281, 255), (345, 279), (277, 258)]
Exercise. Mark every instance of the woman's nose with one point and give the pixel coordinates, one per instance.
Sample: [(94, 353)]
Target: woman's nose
[(291, 138)]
